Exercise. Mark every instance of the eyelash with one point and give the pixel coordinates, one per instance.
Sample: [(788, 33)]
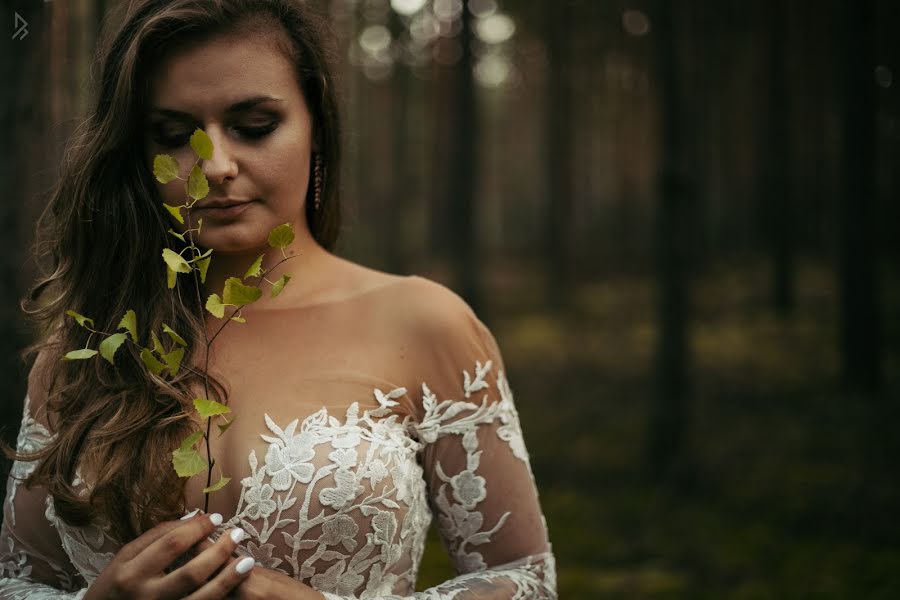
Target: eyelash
[(251, 133)]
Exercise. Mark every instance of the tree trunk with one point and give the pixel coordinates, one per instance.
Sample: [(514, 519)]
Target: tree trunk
[(559, 156), (860, 319), (464, 162), (776, 195), (666, 450)]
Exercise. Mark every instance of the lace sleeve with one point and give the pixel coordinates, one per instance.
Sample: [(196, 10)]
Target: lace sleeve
[(480, 483), (33, 564)]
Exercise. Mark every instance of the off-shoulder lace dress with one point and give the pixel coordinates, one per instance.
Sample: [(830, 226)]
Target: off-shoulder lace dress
[(338, 489)]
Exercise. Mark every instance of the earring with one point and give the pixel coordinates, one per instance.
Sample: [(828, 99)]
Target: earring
[(318, 175)]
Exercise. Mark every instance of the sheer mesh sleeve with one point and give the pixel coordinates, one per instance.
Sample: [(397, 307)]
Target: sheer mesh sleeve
[(33, 564), (480, 484)]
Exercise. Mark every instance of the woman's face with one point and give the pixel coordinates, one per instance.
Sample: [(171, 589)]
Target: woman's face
[(261, 146)]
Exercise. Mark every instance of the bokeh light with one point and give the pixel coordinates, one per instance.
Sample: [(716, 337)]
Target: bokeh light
[(447, 10), (635, 23), (407, 7), (495, 29)]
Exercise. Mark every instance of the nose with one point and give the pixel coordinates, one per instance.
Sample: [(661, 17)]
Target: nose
[(222, 165)]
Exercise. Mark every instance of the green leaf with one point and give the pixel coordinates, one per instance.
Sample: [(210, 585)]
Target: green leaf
[(151, 362), (178, 339), (223, 481), (129, 322), (210, 408), (201, 144), (190, 440), (279, 284), (80, 318), (175, 261), (175, 211), (223, 427), (281, 236), (215, 306), (201, 256), (173, 360), (256, 268), (176, 234), (199, 225), (165, 168), (237, 293), (79, 354), (109, 346), (171, 277), (239, 319), (197, 187), (188, 463), (157, 345), (203, 266)]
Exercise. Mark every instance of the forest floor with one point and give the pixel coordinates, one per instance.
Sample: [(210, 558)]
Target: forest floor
[(789, 488)]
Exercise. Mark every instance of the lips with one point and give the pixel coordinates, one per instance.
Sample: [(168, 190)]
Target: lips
[(221, 203)]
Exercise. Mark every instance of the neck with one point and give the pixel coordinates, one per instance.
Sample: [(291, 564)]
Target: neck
[(305, 265)]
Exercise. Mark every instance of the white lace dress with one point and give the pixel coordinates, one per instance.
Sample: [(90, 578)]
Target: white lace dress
[(340, 493)]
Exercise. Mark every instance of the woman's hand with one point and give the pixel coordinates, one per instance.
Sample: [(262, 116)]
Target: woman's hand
[(138, 570), (264, 583)]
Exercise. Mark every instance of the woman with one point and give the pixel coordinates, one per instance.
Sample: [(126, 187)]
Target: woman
[(363, 402)]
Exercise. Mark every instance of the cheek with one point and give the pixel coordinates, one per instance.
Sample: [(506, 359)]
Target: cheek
[(285, 169)]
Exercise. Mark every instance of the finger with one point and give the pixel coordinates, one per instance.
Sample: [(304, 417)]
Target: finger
[(139, 544), (226, 582), (175, 542), (190, 554), (201, 568)]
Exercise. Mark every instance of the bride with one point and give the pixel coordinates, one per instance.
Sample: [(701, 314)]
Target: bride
[(363, 404)]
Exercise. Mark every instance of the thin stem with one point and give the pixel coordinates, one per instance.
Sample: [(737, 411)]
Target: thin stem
[(228, 320), (205, 372)]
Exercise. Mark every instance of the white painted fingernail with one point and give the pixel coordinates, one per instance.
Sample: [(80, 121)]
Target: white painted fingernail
[(190, 514), (216, 519), (244, 565), (237, 535)]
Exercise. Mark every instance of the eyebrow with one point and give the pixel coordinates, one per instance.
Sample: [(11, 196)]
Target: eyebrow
[(237, 107)]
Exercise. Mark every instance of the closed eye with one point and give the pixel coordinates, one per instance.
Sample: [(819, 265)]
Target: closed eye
[(248, 133)]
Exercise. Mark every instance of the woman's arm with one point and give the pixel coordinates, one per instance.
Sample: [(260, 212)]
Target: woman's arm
[(483, 494), (33, 563)]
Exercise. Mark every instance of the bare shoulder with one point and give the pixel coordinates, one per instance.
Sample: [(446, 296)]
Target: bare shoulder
[(427, 308), (40, 379)]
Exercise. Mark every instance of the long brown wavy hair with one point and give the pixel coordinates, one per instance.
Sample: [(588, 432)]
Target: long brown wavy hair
[(99, 239)]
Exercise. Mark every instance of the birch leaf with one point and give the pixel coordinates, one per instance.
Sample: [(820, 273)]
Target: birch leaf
[(198, 186), (238, 293), (151, 362), (175, 211), (80, 318), (129, 322), (165, 168), (187, 463), (281, 236), (203, 266), (177, 338), (214, 305), (279, 284), (201, 144), (110, 345), (210, 408), (175, 261), (256, 268), (79, 354), (223, 481), (173, 360)]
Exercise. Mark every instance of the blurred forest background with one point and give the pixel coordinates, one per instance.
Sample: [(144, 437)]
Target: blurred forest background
[(679, 218)]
